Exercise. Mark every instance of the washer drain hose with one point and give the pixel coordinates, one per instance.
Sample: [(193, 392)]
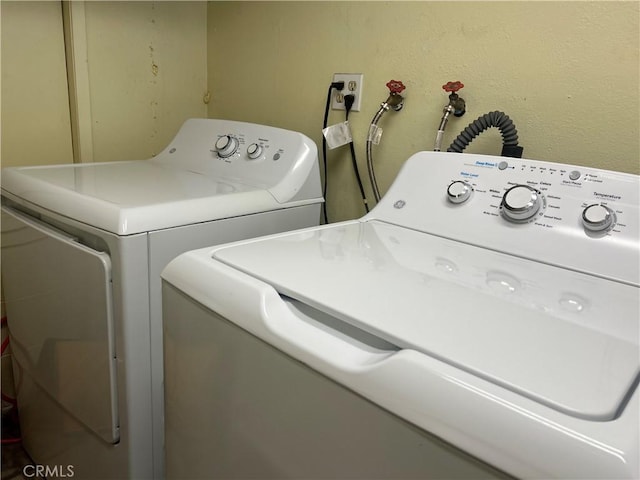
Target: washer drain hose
[(497, 119)]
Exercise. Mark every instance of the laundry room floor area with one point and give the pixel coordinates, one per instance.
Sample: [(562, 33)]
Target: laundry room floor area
[(14, 457)]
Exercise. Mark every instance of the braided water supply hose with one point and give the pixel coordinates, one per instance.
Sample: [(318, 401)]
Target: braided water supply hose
[(497, 119), (395, 101)]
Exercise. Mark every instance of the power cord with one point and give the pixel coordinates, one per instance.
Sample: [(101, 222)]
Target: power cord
[(338, 86), (348, 103)]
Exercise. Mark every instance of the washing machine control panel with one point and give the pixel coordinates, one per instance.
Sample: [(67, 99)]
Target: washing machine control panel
[(522, 203), (598, 218), (459, 191), (579, 217)]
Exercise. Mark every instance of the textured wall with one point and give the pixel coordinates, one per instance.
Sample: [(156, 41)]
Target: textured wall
[(147, 68), (35, 126), (565, 72), (147, 74)]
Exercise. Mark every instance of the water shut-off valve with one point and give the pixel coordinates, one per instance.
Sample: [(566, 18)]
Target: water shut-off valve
[(456, 105), (395, 100)]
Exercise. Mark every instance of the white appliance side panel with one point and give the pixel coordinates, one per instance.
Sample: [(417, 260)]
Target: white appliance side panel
[(239, 408), (165, 245), (59, 306)]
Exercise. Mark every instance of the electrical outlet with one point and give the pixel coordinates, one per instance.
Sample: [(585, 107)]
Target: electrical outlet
[(352, 85)]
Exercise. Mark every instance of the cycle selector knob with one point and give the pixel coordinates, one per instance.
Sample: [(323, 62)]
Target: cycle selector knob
[(226, 146), (254, 151), (459, 192), (521, 203), (598, 218)]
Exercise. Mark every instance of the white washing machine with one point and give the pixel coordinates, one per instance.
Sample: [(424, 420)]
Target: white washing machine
[(482, 321), (82, 251)]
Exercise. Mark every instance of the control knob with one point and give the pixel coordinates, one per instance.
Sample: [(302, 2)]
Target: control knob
[(226, 146), (598, 218), (521, 203), (459, 192), (254, 151)]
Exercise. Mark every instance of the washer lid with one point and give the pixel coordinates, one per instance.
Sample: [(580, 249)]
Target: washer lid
[(133, 197), (564, 339)]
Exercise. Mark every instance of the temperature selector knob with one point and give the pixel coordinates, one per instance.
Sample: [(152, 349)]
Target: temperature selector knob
[(459, 192), (598, 218), (521, 203), (226, 146), (254, 151)]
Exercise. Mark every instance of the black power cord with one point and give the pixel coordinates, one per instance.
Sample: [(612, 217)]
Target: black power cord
[(348, 103), (338, 86)]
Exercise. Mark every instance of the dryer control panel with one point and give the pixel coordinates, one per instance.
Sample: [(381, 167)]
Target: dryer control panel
[(575, 217), (260, 156)]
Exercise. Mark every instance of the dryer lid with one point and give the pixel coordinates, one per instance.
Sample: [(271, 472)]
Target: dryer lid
[(134, 196), (564, 339)]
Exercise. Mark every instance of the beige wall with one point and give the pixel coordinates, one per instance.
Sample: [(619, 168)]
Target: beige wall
[(147, 74), (565, 72), (34, 118)]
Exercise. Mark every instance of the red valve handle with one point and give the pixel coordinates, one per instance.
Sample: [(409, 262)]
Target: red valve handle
[(453, 86), (395, 86)]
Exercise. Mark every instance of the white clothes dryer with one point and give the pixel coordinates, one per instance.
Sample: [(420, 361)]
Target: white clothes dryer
[(82, 250), (482, 321)]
